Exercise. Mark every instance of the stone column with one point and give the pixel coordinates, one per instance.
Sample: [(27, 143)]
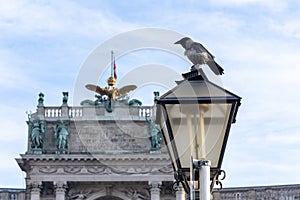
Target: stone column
[(60, 190), (180, 193), (35, 190), (155, 190)]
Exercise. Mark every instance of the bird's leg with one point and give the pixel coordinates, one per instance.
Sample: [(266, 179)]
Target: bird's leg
[(193, 68)]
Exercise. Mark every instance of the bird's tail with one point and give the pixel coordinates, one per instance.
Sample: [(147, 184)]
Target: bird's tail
[(215, 67)]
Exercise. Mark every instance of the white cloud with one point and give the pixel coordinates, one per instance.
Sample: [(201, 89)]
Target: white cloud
[(12, 122), (259, 66), (15, 72), (40, 18), (272, 5), (11, 174), (288, 26)]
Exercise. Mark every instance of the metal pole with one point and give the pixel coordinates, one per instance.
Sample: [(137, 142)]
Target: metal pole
[(192, 179), (111, 64), (204, 179)]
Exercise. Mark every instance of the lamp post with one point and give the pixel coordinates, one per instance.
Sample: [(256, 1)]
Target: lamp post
[(195, 117)]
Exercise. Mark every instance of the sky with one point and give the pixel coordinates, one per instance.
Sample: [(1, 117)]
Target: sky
[(46, 46)]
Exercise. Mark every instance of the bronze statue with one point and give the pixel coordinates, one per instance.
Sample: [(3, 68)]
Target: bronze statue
[(37, 130), (155, 134), (61, 133), (41, 99), (65, 98), (156, 96)]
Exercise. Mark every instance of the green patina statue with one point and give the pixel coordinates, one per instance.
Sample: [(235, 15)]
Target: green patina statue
[(41, 99), (155, 134), (37, 129), (61, 133), (156, 96), (65, 98)]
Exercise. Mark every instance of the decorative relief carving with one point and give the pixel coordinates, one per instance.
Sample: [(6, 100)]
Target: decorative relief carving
[(82, 193), (133, 191), (83, 171), (79, 196), (72, 169), (101, 170), (96, 169), (166, 169), (34, 170), (136, 194), (107, 171), (48, 169), (60, 170), (131, 170)]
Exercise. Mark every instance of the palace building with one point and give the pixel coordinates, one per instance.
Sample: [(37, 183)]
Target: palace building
[(87, 152), (95, 152)]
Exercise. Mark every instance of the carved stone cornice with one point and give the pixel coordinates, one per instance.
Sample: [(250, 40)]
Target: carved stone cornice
[(96, 157)]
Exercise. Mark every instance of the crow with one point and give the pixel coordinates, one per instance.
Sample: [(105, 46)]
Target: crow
[(199, 55)]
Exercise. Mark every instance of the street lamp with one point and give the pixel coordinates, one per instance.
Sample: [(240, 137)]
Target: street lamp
[(195, 117)]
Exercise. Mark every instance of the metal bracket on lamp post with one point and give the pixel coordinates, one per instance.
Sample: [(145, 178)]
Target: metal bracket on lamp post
[(216, 180)]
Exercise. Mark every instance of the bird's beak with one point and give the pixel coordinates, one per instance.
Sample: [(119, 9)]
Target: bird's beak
[(178, 42)]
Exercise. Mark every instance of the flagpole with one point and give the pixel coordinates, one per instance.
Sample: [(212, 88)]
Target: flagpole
[(112, 64)]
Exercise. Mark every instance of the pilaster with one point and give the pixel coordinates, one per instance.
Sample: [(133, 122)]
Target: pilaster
[(155, 188), (35, 190), (60, 190), (180, 193)]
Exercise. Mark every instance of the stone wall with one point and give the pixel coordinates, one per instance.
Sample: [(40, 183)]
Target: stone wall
[(12, 194), (93, 130), (279, 192)]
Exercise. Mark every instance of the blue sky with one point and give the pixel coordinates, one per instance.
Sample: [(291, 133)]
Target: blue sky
[(44, 45)]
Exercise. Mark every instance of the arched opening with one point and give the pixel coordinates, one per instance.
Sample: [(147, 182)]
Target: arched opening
[(109, 198), (114, 195)]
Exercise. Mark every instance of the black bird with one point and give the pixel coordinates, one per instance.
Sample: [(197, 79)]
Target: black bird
[(199, 55)]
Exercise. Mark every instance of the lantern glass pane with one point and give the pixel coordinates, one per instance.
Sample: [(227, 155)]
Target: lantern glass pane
[(168, 142), (198, 130)]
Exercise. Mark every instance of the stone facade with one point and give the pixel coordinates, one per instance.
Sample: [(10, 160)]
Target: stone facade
[(12, 194), (107, 156), (135, 190), (279, 192)]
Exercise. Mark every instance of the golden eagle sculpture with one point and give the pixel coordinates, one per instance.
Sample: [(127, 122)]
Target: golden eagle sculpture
[(111, 93)]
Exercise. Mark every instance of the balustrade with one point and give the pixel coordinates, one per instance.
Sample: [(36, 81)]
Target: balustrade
[(78, 111), (52, 112)]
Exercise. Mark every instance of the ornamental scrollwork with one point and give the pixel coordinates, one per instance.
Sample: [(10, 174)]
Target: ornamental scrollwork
[(48, 169)]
